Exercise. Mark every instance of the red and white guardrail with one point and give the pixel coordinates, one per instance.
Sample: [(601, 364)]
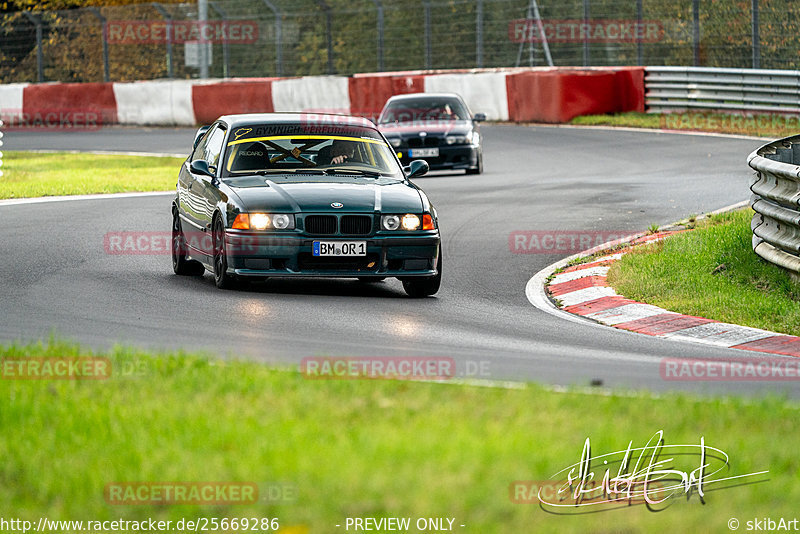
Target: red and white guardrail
[(517, 95)]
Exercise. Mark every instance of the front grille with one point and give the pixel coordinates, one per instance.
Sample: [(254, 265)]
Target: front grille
[(419, 142), (308, 262), (356, 225), (320, 224)]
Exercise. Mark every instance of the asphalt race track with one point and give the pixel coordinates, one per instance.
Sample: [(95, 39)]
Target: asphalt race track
[(57, 277)]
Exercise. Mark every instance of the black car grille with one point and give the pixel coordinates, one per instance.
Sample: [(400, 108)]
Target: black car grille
[(356, 225), (320, 224), (308, 262), (419, 142)]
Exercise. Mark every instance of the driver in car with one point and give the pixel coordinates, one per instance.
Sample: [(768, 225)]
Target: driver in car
[(343, 151)]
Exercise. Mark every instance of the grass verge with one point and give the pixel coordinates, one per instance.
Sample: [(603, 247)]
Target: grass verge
[(773, 126), (712, 272), (360, 448), (31, 174)]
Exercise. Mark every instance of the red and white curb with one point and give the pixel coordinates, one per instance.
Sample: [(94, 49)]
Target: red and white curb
[(583, 291)]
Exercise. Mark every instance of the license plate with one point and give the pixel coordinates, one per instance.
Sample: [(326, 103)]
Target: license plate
[(424, 152), (340, 248)]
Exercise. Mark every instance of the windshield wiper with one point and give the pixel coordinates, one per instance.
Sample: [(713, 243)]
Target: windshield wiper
[(359, 172)]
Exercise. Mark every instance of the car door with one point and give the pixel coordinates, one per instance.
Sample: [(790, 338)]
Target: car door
[(205, 191)]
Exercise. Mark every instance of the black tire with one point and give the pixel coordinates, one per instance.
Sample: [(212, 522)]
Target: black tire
[(371, 279), (425, 286), (181, 265), (222, 279), (479, 168)]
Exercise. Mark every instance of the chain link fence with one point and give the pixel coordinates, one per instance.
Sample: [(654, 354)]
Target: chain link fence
[(263, 38)]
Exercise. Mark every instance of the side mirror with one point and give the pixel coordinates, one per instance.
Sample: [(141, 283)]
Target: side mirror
[(200, 166), (479, 117), (199, 135), (418, 167)]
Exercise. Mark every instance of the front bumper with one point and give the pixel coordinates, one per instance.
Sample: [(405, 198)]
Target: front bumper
[(450, 157), (258, 255)]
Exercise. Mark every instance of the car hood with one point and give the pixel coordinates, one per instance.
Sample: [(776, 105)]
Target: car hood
[(429, 127), (356, 195)]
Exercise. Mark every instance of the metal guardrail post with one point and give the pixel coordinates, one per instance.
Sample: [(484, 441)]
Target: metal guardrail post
[(756, 37), (426, 4), (37, 22), (225, 53), (379, 7), (776, 201), (328, 30), (278, 37), (102, 19), (167, 17), (696, 31), (479, 34)]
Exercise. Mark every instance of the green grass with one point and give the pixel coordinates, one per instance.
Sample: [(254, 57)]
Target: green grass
[(757, 125), (712, 272), (30, 174), (361, 448)]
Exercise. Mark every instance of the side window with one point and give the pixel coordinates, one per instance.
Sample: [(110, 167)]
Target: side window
[(201, 146), (213, 148)]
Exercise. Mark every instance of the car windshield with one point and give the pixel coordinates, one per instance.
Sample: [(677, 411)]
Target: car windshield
[(423, 110), (329, 150)]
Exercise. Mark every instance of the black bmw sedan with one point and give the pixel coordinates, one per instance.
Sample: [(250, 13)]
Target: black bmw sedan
[(436, 127)]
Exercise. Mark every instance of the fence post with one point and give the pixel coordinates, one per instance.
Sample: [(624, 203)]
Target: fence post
[(278, 37), (379, 6), (165, 14), (696, 31), (756, 38), (585, 35), (479, 34), (639, 45), (223, 16), (102, 19), (328, 30), (39, 54), (428, 55)]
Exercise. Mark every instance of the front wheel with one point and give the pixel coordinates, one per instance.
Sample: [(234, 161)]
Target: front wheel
[(182, 265), (222, 279), (425, 286)]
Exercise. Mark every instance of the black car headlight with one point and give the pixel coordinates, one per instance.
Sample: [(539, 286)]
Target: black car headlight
[(409, 222), (264, 221), (456, 139)]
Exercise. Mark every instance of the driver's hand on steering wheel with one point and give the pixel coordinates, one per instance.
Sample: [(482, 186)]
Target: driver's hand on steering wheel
[(338, 159)]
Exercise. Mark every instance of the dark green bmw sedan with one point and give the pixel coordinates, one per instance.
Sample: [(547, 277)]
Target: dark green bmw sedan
[(288, 195)]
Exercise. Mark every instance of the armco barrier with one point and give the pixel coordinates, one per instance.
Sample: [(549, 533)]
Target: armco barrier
[(213, 99), (689, 88), (537, 94), (776, 201)]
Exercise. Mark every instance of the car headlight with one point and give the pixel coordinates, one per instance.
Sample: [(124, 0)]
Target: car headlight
[(409, 222), (263, 221), (390, 222), (455, 139), (395, 141)]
